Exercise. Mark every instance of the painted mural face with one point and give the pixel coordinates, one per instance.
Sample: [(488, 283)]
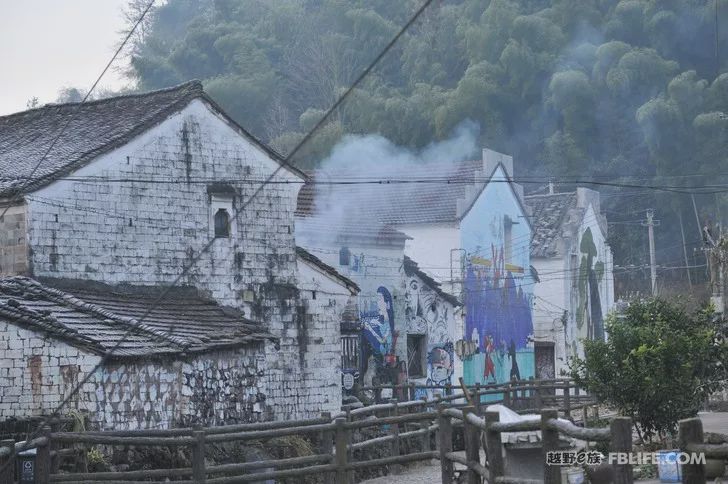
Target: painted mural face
[(440, 364), (416, 323)]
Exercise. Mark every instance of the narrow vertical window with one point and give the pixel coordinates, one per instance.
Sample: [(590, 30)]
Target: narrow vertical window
[(222, 223)]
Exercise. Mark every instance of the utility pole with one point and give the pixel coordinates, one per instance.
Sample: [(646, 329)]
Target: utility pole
[(650, 231)]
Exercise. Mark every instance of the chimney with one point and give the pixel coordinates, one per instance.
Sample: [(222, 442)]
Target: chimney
[(491, 159)]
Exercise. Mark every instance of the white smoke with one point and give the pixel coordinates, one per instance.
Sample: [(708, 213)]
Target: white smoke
[(374, 158)]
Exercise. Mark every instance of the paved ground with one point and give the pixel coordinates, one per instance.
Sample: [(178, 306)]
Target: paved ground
[(425, 474)]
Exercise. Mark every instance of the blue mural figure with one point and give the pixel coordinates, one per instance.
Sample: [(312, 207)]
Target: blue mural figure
[(379, 326), (498, 313)]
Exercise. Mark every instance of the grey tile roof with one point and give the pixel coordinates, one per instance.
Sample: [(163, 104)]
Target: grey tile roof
[(548, 214), (397, 195), (103, 319), (317, 231), (307, 256), (91, 129)]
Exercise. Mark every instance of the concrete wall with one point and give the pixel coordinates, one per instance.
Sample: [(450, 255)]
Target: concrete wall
[(13, 242), (436, 247), (38, 372)]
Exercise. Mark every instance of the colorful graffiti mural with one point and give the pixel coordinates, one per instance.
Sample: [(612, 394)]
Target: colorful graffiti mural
[(440, 364), (425, 312), (498, 321), (380, 339)]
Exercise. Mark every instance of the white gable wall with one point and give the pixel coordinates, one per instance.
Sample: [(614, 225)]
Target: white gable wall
[(146, 233)]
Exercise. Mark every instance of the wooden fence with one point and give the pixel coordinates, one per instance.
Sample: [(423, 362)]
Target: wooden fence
[(399, 426), (619, 434), (691, 440)]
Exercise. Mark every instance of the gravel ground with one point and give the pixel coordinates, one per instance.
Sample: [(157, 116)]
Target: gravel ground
[(425, 474)]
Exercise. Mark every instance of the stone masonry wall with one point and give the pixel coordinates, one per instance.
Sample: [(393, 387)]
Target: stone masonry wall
[(146, 231), (37, 373), (222, 387), (13, 244)]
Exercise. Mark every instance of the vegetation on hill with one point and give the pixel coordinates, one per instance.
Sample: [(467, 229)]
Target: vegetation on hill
[(633, 91)]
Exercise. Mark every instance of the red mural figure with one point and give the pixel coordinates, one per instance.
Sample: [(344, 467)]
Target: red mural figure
[(489, 365)]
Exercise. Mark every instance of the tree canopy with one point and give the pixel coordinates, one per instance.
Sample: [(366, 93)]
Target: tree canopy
[(629, 89)]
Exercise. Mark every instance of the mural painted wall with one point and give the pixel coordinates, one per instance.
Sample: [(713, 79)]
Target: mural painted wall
[(591, 292), (428, 313), (498, 339)]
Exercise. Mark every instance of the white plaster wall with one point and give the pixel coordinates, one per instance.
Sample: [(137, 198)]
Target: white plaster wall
[(550, 299), (326, 298), (146, 233), (431, 247)]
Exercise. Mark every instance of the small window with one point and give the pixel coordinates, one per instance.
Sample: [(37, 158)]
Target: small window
[(416, 355), (344, 256), (222, 223)]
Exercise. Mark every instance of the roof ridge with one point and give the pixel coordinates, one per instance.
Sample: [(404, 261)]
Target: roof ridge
[(193, 87), (62, 296), (533, 195)]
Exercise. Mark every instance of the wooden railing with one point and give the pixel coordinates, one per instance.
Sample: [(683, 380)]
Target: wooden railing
[(619, 434), (691, 440), (524, 396), (404, 429)]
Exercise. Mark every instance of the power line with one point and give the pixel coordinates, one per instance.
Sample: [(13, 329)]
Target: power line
[(285, 162), (70, 118)]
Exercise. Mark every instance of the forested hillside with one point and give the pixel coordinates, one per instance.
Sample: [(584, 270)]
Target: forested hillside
[(632, 91)]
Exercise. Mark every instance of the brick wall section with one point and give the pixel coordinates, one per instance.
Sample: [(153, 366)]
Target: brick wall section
[(145, 233), (36, 373), (13, 245), (216, 388)]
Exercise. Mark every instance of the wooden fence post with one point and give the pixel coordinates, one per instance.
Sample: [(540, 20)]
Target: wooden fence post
[(691, 432), (394, 431), (567, 402), (198, 455), (550, 441), (537, 396), (342, 441), (493, 447), (43, 458), (507, 395), (471, 435), (55, 425), (426, 447), (327, 447), (8, 463), (476, 399), (412, 391), (444, 438), (621, 433), (448, 389)]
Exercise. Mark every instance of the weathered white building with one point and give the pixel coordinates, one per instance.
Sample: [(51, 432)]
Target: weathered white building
[(406, 321), (466, 226), (149, 191), (574, 263)]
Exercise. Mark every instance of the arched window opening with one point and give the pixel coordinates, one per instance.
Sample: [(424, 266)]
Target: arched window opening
[(222, 223)]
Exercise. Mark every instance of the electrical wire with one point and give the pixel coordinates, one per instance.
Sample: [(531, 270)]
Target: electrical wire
[(286, 162)]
